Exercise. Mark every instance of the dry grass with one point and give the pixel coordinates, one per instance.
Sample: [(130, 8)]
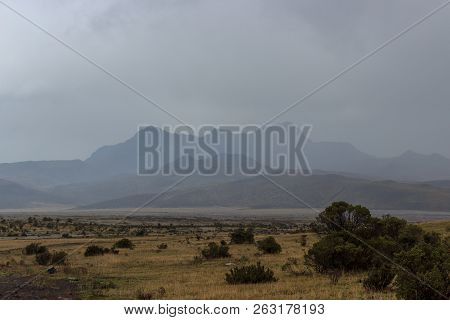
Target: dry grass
[(146, 269)]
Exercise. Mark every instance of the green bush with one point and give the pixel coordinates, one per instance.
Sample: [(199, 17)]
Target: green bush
[(410, 236), (94, 250), (214, 251), (429, 263), (255, 273), (379, 278), (34, 248), (241, 236), (269, 245), (124, 244), (391, 226), (335, 252)]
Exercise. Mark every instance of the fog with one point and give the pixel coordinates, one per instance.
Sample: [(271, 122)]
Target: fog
[(222, 62)]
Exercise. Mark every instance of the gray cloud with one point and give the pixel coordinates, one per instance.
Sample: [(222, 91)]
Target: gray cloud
[(222, 62)]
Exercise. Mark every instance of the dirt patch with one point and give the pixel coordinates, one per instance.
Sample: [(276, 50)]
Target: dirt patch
[(36, 288)]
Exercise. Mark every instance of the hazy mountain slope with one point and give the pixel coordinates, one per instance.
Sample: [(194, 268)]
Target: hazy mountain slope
[(15, 196), (317, 191), (439, 183), (126, 185), (41, 174), (109, 162)]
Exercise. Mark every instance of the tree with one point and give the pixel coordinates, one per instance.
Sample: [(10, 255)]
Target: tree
[(344, 216)]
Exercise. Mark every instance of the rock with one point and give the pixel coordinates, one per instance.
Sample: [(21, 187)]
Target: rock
[(52, 270)]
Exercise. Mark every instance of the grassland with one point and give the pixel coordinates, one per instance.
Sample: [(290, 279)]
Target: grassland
[(173, 273)]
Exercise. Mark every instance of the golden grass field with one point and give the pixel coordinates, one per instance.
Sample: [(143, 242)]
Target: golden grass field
[(147, 269)]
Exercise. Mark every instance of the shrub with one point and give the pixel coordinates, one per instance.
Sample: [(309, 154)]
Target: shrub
[(379, 278), (43, 258), (94, 250), (431, 264), (162, 246), (334, 252), (255, 273), (391, 226), (293, 267), (304, 240), (124, 244), (269, 245), (241, 236), (410, 236), (34, 248), (214, 251), (59, 257), (155, 294)]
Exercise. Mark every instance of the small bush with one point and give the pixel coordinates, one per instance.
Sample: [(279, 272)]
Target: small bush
[(214, 251), (124, 244), (255, 273), (378, 279), (304, 240), (34, 248), (94, 250), (294, 268), (59, 258), (269, 245), (43, 258), (155, 294), (241, 236), (162, 246)]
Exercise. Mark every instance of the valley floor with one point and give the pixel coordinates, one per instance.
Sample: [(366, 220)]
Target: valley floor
[(173, 273)]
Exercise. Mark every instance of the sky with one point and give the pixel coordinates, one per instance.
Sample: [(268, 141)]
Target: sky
[(222, 62)]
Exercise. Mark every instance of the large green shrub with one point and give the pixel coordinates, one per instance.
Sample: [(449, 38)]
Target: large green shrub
[(429, 263), (410, 236), (334, 252), (241, 236), (255, 273), (269, 245)]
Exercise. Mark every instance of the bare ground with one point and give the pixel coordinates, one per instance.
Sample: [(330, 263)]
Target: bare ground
[(15, 287)]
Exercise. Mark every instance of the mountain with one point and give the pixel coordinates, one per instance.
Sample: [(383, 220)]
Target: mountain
[(439, 183), (120, 160), (14, 195), (127, 185), (317, 191), (41, 174)]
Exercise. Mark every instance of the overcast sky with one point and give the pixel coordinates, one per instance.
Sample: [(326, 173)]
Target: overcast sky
[(218, 62)]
